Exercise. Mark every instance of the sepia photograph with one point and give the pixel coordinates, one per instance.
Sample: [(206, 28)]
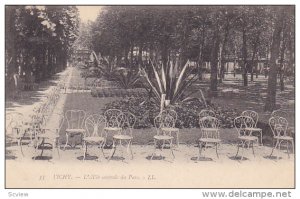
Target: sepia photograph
[(149, 96)]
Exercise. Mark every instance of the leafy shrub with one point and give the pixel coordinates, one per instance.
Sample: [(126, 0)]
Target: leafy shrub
[(127, 77), (226, 116), (171, 80), (187, 112), (90, 73), (139, 106), (118, 92)]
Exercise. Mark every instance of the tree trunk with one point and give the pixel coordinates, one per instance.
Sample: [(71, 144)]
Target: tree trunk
[(254, 54), (126, 52), (282, 52), (270, 104), (244, 51), (256, 67), (131, 54), (200, 56), (214, 63), (140, 57), (281, 67), (222, 62)]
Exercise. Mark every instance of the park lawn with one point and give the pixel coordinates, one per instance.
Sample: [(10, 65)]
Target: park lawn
[(251, 97), (94, 105)]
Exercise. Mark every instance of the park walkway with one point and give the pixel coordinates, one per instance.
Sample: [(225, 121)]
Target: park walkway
[(31, 99)]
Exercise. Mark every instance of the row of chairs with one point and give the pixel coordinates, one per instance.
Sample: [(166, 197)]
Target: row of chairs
[(18, 128), (94, 129), (246, 127)]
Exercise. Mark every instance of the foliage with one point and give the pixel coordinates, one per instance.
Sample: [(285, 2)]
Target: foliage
[(139, 106), (117, 92), (187, 112), (40, 38), (127, 77), (90, 73), (215, 34), (170, 80)]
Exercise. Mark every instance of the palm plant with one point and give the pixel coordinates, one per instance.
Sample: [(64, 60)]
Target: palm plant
[(172, 81), (126, 77)]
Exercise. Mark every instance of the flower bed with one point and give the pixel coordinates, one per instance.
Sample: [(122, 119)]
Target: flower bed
[(187, 113), (117, 92)]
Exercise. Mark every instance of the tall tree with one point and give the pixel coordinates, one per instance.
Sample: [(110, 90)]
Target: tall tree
[(270, 104)]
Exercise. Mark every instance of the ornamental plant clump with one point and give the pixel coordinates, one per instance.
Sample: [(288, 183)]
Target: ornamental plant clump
[(141, 107), (126, 77), (187, 113), (170, 80)]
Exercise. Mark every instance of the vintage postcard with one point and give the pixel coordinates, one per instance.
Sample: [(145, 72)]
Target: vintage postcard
[(150, 96)]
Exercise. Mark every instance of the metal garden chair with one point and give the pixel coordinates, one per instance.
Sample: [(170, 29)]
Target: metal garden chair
[(243, 126), (171, 129), (163, 138), (279, 127), (127, 121), (15, 129), (113, 124), (49, 134), (210, 134), (75, 120), (254, 129), (94, 134)]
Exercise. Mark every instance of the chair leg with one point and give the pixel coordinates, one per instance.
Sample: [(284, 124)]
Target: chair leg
[(279, 148), (177, 139), (238, 148), (55, 145), (205, 149), (261, 138), (287, 148), (154, 149), (130, 149), (252, 149), (85, 150), (200, 150), (101, 147), (293, 146), (113, 150), (217, 150), (273, 148), (243, 148), (36, 148), (171, 148), (67, 141), (43, 145), (20, 145)]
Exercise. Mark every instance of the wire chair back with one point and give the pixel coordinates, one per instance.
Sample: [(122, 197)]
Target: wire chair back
[(241, 123), (114, 118), (13, 123), (252, 114), (170, 112), (206, 112), (75, 119), (209, 127), (94, 125), (279, 113), (278, 126)]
